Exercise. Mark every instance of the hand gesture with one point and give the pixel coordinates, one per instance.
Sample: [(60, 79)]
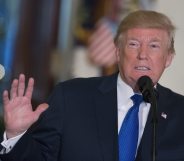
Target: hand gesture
[(18, 112)]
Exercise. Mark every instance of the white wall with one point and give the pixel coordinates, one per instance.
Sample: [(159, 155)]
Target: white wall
[(174, 75)]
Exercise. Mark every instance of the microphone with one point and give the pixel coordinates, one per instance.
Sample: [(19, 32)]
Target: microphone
[(145, 85), (2, 71)]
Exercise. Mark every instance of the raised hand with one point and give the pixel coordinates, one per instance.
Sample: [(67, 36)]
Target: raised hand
[(18, 112)]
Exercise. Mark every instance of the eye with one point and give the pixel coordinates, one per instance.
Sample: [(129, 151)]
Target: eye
[(133, 44), (155, 45)]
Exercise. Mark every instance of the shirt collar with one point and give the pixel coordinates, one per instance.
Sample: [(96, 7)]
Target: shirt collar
[(124, 91)]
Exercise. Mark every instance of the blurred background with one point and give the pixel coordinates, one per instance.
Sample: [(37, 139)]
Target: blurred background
[(56, 40)]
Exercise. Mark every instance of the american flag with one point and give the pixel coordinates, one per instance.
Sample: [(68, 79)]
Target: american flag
[(101, 45)]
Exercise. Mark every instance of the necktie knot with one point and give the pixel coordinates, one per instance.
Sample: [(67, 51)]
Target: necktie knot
[(137, 99)]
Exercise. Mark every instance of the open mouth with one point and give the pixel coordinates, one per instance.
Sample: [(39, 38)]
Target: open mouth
[(142, 68)]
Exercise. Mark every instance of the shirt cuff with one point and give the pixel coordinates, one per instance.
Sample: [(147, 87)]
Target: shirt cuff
[(8, 144)]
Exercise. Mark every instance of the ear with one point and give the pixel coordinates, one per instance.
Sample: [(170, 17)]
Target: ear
[(117, 52), (169, 59)]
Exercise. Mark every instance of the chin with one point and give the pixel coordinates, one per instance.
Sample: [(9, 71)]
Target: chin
[(142, 74)]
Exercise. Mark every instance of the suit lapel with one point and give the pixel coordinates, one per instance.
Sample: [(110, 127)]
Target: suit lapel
[(106, 113)]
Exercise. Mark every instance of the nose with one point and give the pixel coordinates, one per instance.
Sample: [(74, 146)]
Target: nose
[(142, 52)]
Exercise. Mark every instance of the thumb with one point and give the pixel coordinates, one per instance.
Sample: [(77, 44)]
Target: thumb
[(40, 109)]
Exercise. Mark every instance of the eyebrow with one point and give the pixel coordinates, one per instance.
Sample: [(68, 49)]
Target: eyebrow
[(155, 39)]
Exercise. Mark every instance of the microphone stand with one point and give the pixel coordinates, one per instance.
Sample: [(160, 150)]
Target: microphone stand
[(153, 102)]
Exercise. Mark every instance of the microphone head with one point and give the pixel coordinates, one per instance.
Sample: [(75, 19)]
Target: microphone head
[(144, 82), (2, 71), (145, 85)]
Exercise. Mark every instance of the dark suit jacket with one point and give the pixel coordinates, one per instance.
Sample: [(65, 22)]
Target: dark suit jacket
[(81, 125)]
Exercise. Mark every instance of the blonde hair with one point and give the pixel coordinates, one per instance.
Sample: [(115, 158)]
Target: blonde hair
[(146, 19)]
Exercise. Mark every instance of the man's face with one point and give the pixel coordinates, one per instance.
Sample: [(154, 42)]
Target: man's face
[(143, 52)]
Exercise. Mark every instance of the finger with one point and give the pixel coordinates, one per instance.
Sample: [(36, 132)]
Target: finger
[(29, 90), (13, 91), (5, 98), (40, 109), (21, 85)]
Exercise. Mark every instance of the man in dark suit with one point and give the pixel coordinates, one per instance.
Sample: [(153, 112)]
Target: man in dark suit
[(85, 115)]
